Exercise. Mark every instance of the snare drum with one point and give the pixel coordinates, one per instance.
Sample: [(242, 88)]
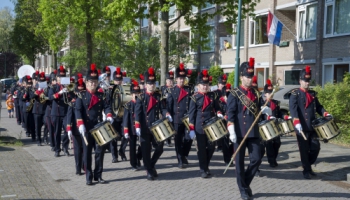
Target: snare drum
[(268, 130), (325, 128), (103, 133), (286, 126), (215, 129), (162, 129), (186, 120)]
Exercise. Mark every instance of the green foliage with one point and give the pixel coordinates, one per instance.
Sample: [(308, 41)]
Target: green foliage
[(6, 27), (231, 79), (215, 72)]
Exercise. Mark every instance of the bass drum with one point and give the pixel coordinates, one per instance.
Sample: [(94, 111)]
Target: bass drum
[(325, 128)]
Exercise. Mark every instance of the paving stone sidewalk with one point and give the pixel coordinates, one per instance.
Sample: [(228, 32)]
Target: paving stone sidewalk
[(285, 181)]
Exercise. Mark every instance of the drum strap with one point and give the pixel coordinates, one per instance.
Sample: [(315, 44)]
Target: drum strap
[(249, 104)]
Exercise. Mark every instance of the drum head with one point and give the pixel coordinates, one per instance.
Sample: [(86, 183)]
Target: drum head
[(211, 120), (320, 121), (263, 122), (157, 122)]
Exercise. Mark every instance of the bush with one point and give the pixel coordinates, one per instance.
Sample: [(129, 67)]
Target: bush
[(215, 72), (335, 99)]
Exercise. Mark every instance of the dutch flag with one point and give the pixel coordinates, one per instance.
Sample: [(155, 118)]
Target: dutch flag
[(274, 29)]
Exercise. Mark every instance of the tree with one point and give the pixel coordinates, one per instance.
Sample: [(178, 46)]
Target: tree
[(215, 72), (6, 27)]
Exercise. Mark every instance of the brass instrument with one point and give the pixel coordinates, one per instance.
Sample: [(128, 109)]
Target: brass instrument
[(43, 98), (31, 102), (116, 98), (70, 87)]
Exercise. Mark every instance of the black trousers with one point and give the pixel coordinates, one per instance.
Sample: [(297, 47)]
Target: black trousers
[(179, 142), (87, 157), (246, 175), (49, 125), (57, 127), (227, 148), (147, 140), (18, 112), (309, 149), (113, 145), (135, 152), (38, 120), (272, 148), (29, 123), (205, 151), (78, 149), (22, 117)]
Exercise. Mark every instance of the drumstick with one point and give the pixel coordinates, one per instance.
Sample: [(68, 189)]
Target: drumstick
[(246, 135), (302, 133), (86, 143)]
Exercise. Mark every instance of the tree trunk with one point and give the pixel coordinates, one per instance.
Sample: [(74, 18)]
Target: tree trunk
[(88, 39), (164, 44)]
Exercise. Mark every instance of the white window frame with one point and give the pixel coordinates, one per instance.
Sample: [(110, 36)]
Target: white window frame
[(332, 34), (203, 9), (284, 73), (332, 73), (252, 20), (175, 13), (141, 20), (234, 36), (209, 51), (303, 8)]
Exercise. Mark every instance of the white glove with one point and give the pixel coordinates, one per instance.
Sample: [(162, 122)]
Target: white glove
[(271, 117), (82, 130), (70, 135), (110, 119), (39, 89), (192, 135), (27, 104), (329, 115), (266, 110), (298, 127), (138, 132), (64, 90), (289, 117), (231, 130), (220, 115), (169, 118), (126, 136)]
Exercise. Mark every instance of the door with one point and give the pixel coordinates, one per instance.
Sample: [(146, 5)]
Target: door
[(339, 71), (261, 78)]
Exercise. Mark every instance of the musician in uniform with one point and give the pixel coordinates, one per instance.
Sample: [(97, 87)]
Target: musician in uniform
[(38, 108), (117, 124), (178, 102), (303, 105), (147, 110), (59, 110), (243, 105), (273, 145), (27, 113), (48, 110), (142, 83), (88, 112), (255, 83), (129, 127), (72, 129), (203, 106), (14, 92), (169, 83)]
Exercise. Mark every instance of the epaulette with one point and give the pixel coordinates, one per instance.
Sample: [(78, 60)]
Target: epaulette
[(193, 98), (313, 92), (294, 92), (127, 105)]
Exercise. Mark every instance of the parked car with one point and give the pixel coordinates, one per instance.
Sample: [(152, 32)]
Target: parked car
[(7, 83), (283, 94)]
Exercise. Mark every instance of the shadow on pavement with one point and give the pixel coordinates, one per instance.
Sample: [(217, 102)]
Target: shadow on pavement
[(6, 149), (303, 195)]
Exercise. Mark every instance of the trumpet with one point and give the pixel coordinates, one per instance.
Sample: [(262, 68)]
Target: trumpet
[(43, 98)]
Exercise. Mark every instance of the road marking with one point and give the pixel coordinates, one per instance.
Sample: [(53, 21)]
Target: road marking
[(8, 196)]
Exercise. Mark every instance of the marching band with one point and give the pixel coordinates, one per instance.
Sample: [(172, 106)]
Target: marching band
[(94, 114)]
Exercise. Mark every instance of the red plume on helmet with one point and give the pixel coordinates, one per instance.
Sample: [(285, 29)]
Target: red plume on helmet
[(93, 67), (205, 72), (189, 72), (151, 71), (124, 74), (107, 68), (228, 86), (98, 71), (134, 82), (55, 71), (61, 68), (251, 62), (80, 81), (37, 72), (171, 73), (307, 69), (268, 82), (42, 74), (118, 70), (142, 77), (210, 78), (79, 75), (255, 79), (28, 77), (224, 77), (182, 66)]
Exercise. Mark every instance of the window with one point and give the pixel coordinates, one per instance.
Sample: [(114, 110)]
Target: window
[(307, 21), (258, 30), (334, 73), (208, 5), (209, 46), (172, 12), (242, 35), (337, 17), (194, 9), (291, 77)]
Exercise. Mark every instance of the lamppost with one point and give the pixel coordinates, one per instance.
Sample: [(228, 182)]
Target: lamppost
[(5, 62)]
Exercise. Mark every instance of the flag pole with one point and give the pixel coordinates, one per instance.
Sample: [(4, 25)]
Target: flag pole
[(238, 45)]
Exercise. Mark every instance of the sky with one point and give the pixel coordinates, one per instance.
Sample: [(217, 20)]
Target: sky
[(7, 3)]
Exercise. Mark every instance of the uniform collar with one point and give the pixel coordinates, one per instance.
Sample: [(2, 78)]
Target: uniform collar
[(149, 93), (304, 90), (202, 93), (90, 91), (179, 86), (245, 88)]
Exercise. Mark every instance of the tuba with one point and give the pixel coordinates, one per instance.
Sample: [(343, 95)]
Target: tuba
[(117, 99), (70, 87)]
